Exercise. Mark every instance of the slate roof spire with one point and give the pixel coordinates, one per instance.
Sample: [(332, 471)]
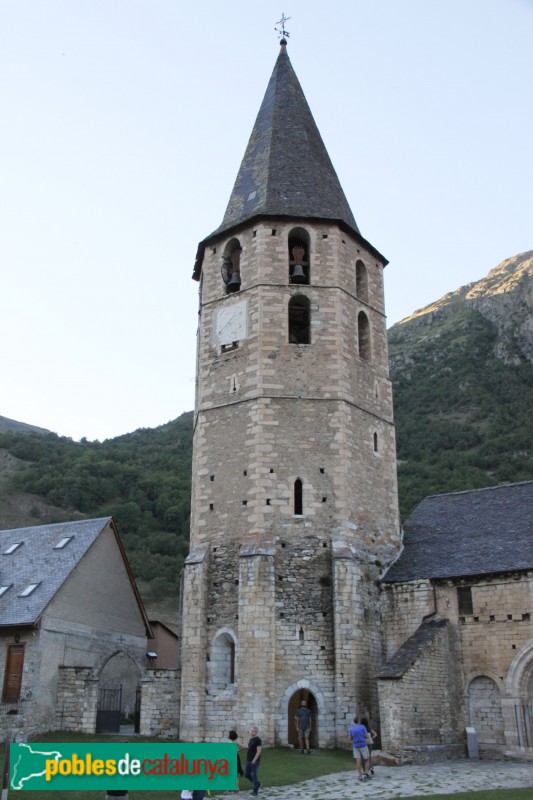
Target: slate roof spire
[(286, 169)]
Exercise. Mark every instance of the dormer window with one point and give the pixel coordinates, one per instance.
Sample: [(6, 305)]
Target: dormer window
[(231, 266), (299, 266)]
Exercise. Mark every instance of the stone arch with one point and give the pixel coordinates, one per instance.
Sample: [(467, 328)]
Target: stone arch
[(223, 660), (519, 701), (520, 672), (485, 710), (103, 659), (307, 689)]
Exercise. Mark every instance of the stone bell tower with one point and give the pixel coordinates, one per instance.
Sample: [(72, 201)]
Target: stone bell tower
[(294, 502)]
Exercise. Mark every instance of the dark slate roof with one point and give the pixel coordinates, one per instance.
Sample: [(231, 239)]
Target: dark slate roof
[(476, 532), (36, 561), (410, 650), (286, 168)]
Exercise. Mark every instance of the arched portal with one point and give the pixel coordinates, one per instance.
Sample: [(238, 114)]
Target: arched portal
[(294, 703), (117, 692)]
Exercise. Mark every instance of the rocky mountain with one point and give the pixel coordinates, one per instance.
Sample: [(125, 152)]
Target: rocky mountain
[(462, 372)]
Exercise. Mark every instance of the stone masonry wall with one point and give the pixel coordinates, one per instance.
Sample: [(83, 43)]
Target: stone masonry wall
[(160, 697), (423, 706)]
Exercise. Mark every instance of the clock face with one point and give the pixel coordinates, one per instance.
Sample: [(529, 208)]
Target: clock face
[(230, 323)]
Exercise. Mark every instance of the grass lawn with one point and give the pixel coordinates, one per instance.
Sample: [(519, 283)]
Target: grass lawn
[(279, 767)]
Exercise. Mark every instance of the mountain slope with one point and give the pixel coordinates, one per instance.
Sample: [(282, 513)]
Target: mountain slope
[(462, 372)]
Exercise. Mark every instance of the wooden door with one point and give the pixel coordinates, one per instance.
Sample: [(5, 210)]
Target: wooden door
[(13, 673)]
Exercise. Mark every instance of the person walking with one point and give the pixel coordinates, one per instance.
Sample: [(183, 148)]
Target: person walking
[(303, 726), (253, 757), (360, 748)]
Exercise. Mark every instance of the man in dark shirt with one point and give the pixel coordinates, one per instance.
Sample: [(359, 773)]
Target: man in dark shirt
[(303, 726), (253, 756)]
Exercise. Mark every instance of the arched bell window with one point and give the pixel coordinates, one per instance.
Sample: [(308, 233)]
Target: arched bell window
[(363, 335), (231, 266), (361, 281), (299, 256), (299, 320)]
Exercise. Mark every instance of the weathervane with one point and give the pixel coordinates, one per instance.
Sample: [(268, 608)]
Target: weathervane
[(283, 34)]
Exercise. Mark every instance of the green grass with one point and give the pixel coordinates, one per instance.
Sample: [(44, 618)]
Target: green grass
[(279, 767)]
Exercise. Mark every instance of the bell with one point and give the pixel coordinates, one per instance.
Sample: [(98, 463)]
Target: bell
[(234, 283), (298, 275)]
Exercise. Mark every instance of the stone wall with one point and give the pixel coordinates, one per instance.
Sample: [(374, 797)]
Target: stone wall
[(421, 700), (160, 699), (77, 694)]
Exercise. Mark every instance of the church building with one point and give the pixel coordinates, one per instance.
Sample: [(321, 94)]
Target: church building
[(294, 502)]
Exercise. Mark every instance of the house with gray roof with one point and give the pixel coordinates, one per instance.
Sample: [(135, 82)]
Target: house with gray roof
[(73, 629), (457, 611)]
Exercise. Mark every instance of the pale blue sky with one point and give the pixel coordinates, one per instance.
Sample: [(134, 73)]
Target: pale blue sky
[(123, 126)]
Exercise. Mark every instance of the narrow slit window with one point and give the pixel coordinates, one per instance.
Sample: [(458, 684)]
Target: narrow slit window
[(361, 281), (298, 497), (363, 335)]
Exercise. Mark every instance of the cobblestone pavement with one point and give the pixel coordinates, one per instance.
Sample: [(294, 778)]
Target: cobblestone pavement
[(393, 782)]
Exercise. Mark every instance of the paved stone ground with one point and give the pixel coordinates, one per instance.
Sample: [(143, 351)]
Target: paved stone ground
[(393, 782)]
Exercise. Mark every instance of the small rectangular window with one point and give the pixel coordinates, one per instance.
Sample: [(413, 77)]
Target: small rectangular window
[(464, 600), (29, 589), (63, 542), (12, 548)]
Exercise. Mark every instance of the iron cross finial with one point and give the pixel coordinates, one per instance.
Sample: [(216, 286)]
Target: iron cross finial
[(281, 30)]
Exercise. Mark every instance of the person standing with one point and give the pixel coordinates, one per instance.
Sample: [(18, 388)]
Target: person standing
[(360, 748), (371, 735), (253, 757), (234, 738), (303, 726)]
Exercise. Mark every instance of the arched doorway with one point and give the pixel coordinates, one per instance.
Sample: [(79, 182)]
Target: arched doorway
[(294, 703), (117, 692)]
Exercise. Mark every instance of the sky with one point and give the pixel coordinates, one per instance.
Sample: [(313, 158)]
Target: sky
[(123, 124)]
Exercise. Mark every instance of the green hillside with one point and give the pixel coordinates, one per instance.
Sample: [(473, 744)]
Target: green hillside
[(142, 479)]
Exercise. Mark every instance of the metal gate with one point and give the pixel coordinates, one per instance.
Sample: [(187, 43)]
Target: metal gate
[(137, 719), (108, 710)]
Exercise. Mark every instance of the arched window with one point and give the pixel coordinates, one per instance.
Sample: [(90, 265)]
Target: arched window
[(299, 256), (363, 335), (298, 497), (361, 281), (223, 661), (376, 443), (299, 320), (231, 266)]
